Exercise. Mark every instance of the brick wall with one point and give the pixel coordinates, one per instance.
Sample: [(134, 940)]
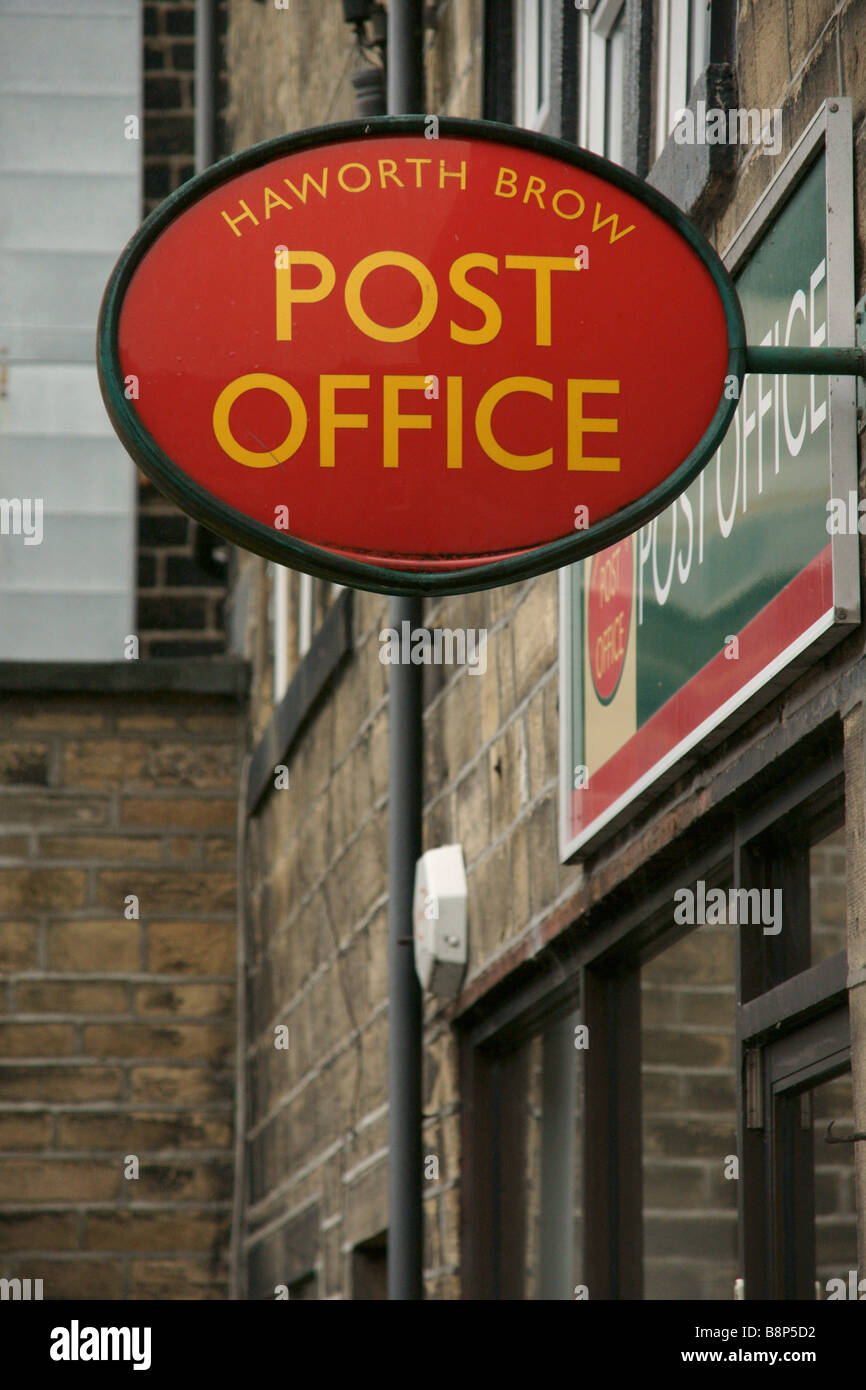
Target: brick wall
[(169, 126), (180, 605), (116, 1034)]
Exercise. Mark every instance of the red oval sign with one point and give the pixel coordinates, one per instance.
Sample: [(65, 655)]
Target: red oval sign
[(609, 616), (420, 364)]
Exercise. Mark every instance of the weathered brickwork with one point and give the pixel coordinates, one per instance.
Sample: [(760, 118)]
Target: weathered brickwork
[(180, 605), (169, 129), (117, 1017)]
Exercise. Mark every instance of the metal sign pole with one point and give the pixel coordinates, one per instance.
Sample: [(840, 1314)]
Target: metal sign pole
[(405, 1017)]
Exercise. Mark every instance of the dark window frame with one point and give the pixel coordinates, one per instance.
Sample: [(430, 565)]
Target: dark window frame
[(792, 1033), (778, 992)]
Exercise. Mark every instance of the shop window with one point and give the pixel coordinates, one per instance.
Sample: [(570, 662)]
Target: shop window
[(832, 1106), (731, 1057), (793, 1031), (682, 50), (532, 34), (523, 1204), (602, 79), (689, 1085), (716, 1010), (800, 1221), (794, 867), (553, 1230)]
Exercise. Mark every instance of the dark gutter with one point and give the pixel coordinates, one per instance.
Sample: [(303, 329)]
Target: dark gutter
[(405, 1017)]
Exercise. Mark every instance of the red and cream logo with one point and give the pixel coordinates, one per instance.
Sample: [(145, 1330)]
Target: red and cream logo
[(609, 616)]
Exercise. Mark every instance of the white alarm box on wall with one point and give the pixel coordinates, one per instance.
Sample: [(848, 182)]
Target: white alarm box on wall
[(439, 920)]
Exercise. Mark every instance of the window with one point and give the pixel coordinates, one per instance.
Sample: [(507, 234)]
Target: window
[(523, 1122), (602, 78), (554, 1105), (682, 53), (794, 1041), (370, 1268), (532, 69), (683, 1153), (298, 606)]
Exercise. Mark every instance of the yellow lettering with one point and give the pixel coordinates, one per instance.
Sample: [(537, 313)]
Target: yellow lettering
[(615, 234), (534, 192), (233, 221), (511, 182), (393, 421), (461, 286), (560, 193), (301, 194), (354, 188), (578, 426), (358, 314), (329, 420), (484, 422), (287, 294), (454, 456), (389, 173), (273, 199), (414, 159), (452, 173), (259, 458), (542, 266)]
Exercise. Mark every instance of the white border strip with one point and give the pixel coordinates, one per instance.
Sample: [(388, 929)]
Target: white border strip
[(719, 715)]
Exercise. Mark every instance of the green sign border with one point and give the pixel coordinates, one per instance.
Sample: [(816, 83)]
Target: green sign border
[(285, 549), (827, 134)]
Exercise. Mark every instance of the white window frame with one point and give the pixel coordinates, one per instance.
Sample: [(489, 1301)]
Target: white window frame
[(306, 622), (683, 25), (596, 28), (532, 27)]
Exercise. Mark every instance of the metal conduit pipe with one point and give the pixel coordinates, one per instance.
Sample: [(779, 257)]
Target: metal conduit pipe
[(405, 1219)]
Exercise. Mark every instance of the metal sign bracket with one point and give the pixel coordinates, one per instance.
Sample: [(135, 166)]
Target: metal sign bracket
[(797, 361)]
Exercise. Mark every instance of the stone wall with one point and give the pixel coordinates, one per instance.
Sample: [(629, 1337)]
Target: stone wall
[(116, 1016)]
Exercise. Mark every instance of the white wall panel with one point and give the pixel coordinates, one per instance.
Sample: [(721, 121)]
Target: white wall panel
[(70, 197)]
